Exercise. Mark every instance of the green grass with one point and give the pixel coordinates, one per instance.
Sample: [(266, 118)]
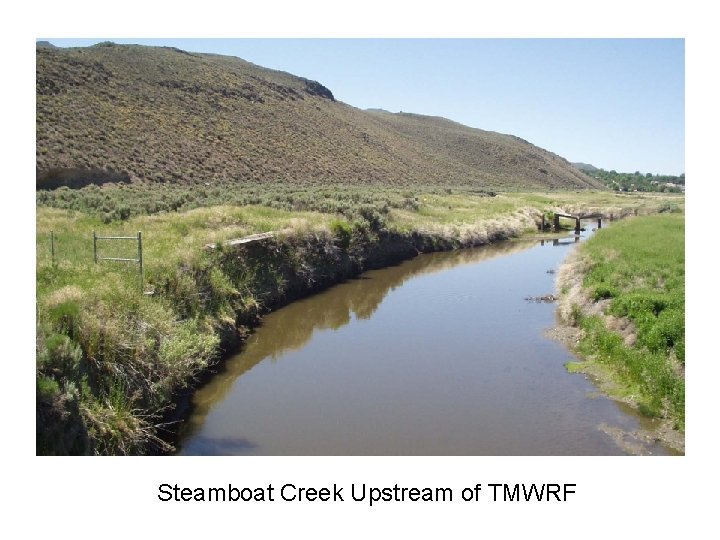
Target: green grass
[(638, 266), (99, 336), (109, 358)]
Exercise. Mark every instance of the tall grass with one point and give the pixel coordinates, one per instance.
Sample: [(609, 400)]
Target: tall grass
[(637, 268), (110, 357), (100, 337)]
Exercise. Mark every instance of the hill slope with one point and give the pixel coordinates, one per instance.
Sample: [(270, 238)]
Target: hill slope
[(157, 114), (585, 167)]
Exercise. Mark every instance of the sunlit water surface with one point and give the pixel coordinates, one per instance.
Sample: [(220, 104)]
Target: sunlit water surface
[(440, 355)]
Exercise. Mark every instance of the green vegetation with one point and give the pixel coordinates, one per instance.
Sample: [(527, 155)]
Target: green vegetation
[(110, 359), (119, 202), (637, 181), (115, 354), (637, 268)]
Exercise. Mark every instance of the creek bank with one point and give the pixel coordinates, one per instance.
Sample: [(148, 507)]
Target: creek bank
[(575, 302), (286, 268), (116, 370)]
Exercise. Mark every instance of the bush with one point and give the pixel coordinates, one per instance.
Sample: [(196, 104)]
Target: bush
[(634, 305), (342, 231), (667, 330), (375, 220), (604, 291), (46, 388), (60, 350), (64, 317), (188, 350)]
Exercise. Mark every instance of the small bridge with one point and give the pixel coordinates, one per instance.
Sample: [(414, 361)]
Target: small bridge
[(577, 218)]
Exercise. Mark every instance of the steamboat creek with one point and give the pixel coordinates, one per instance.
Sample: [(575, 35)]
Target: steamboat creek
[(443, 354)]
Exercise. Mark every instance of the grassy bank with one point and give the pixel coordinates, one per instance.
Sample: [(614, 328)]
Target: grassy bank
[(112, 203), (111, 359), (625, 290)]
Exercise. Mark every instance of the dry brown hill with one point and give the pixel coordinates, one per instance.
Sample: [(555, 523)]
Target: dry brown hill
[(156, 114)]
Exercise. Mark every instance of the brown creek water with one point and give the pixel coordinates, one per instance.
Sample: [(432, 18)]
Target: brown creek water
[(440, 355)]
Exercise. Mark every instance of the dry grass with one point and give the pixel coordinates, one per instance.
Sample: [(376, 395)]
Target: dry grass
[(158, 115)]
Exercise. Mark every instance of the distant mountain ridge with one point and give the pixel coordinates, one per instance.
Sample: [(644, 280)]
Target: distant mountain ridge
[(158, 114), (586, 167)]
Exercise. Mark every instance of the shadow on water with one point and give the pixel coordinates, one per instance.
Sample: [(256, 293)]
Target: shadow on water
[(216, 446)]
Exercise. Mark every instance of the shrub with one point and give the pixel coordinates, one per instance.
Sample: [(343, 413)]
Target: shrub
[(373, 217), (46, 388), (634, 305), (64, 317), (667, 330), (61, 357), (188, 349), (604, 291), (342, 231)]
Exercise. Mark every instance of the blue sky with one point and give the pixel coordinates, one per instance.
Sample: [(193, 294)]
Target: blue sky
[(615, 103)]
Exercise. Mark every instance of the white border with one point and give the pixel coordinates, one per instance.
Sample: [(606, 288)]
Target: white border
[(116, 497)]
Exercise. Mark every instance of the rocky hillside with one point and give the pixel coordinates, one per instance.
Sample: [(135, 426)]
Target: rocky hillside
[(154, 114)]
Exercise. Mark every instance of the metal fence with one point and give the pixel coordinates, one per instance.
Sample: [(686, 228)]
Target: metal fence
[(138, 260)]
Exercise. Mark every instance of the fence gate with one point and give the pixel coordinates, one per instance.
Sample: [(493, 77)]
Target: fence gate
[(138, 260)]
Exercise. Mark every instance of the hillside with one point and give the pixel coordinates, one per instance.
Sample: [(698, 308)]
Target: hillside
[(587, 167), (156, 114)]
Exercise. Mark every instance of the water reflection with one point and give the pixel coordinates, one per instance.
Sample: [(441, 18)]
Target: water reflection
[(559, 242), (290, 327), (440, 355)]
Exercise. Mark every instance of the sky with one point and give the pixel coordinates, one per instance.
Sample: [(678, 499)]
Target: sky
[(614, 103)]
